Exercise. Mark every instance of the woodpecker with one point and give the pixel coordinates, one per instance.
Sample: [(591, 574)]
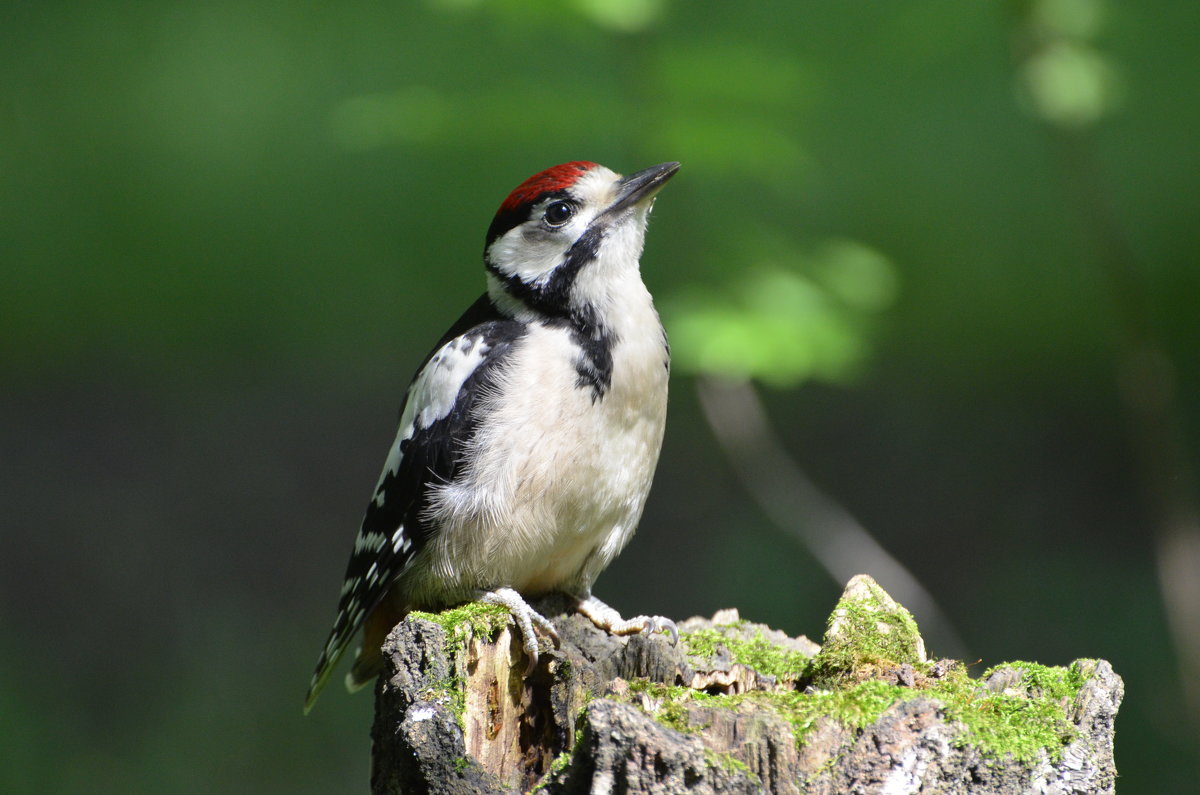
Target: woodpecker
[(529, 436)]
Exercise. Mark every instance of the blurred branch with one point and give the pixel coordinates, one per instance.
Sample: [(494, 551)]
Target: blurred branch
[(794, 503), (1145, 372)]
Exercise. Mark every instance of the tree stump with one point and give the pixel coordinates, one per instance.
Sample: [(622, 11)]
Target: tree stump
[(735, 707)]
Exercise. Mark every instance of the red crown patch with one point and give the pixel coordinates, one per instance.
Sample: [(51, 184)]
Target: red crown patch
[(554, 178)]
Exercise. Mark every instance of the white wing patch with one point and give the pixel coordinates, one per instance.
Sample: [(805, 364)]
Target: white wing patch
[(432, 395)]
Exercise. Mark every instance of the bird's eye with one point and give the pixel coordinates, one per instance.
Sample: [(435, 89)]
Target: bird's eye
[(558, 213)]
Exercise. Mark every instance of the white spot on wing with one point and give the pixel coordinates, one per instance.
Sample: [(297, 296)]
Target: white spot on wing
[(433, 394), (400, 542), (369, 542), (436, 389)]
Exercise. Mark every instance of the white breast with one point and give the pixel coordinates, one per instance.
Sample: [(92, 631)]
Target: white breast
[(557, 481)]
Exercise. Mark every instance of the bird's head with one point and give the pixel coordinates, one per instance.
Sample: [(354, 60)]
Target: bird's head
[(565, 233)]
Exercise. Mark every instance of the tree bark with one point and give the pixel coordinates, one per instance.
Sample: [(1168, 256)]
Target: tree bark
[(734, 707)]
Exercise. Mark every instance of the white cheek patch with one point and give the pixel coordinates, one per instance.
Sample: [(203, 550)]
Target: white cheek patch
[(433, 395), (529, 259)]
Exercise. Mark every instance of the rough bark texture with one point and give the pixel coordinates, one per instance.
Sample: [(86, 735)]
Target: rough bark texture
[(735, 707)]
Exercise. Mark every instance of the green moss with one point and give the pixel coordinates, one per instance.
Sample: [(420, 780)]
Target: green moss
[(1049, 681), (855, 707), (564, 758), (757, 652), (557, 765), (867, 635), (851, 680), (863, 635), (473, 619), (561, 762), (669, 703), (1021, 724)]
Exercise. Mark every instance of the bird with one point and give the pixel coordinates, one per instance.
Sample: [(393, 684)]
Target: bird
[(530, 434)]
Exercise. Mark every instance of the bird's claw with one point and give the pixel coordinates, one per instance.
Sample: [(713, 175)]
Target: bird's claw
[(609, 619), (656, 624), (530, 644), (526, 619), (545, 626)]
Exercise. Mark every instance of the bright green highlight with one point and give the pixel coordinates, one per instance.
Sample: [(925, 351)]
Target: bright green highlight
[(797, 315)]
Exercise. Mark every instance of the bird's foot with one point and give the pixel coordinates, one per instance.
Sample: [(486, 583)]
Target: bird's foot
[(609, 619), (526, 619)]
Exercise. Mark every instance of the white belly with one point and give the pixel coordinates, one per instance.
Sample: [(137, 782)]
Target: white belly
[(558, 481)]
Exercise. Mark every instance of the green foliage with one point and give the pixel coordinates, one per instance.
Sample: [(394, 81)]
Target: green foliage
[(1067, 80), (801, 316), (278, 156)]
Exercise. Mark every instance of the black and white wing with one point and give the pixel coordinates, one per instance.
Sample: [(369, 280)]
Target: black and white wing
[(439, 416)]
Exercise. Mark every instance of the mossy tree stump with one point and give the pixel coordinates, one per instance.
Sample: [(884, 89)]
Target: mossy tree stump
[(735, 707)]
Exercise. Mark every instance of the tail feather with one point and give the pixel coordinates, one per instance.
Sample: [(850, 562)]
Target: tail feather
[(368, 663), (335, 647), (368, 659), (366, 667)]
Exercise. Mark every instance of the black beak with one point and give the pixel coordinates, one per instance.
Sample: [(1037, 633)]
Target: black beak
[(641, 186)]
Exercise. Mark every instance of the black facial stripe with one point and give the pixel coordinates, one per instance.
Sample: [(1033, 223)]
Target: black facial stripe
[(553, 300), (557, 291), (525, 293)]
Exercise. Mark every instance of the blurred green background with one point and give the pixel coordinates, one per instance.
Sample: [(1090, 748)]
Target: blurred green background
[(954, 246)]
